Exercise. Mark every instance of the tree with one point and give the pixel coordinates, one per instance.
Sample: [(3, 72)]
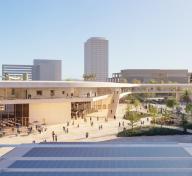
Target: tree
[(184, 122), (188, 109), (152, 81), (136, 103), (165, 117), (90, 77), (133, 117), (128, 109), (136, 81), (171, 103), (153, 112), (186, 97)]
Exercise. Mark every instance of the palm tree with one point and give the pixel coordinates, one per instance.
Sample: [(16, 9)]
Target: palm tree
[(90, 77)]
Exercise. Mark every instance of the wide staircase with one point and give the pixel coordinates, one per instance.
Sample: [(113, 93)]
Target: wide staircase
[(113, 105)]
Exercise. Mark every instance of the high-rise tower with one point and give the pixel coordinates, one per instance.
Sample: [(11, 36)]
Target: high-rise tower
[(96, 59)]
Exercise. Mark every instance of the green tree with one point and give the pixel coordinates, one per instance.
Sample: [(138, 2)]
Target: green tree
[(186, 96), (152, 81), (136, 81), (90, 77), (188, 109), (153, 112), (165, 116), (184, 122), (133, 117), (171, 103), (136, 103)]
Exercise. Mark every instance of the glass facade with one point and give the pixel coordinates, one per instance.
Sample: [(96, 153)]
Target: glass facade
[(15, 114)]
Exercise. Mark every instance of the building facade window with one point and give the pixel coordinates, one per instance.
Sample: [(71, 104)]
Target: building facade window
[(39, 92), (12, 91), (52, 92)]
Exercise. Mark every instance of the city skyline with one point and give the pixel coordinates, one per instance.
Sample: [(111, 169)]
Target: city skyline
[(159, 33)]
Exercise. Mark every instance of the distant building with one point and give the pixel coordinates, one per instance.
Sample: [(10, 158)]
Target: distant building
[(96, 59), (44, 70), (17, 71), (149, 75), (47, 70)]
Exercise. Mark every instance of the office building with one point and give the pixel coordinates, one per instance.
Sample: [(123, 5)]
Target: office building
[(17, 71), (44, 70), (96, 59), (151, 75), (47, 70)]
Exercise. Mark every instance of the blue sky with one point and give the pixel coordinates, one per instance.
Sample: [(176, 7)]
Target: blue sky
[(141, 33)]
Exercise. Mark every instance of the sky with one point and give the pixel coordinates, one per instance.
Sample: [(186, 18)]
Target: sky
[(141, 33)]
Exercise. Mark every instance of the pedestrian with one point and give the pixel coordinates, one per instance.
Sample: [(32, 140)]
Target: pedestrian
[(119, 124), (63, 128), (53, 135), (86, 134), (114, 117), (55, 138)]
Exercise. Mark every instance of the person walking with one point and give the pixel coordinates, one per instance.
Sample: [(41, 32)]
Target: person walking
[(86, 134), (55, 138), (53, 135)]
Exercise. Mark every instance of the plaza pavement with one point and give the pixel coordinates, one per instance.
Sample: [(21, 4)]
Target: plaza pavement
[(76, 134)]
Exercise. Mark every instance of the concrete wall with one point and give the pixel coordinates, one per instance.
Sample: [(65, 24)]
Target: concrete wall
[(58, 93), (50, 113)]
